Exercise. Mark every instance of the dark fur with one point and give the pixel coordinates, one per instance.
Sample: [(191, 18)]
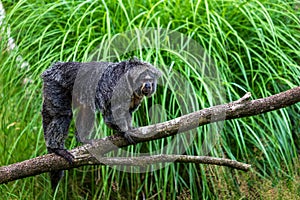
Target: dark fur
[(116, 92)]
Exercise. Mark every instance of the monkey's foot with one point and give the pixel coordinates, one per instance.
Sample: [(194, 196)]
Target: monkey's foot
[(129, 138), (63, 153)]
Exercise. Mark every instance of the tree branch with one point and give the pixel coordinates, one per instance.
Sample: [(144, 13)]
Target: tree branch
[(237, 109), (143, 161)]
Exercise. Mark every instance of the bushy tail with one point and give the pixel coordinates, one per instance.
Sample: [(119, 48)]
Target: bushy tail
[(55, 177)]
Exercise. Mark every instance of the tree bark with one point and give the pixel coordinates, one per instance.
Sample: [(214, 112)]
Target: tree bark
[(237, 109)]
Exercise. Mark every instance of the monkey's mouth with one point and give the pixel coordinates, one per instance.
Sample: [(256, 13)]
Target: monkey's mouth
[(146, 89), (146, 92)]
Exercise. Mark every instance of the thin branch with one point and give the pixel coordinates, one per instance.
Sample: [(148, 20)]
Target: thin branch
[(143, 161), (237, 109)]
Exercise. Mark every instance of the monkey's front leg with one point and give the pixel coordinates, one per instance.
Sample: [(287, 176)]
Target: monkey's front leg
[(121, 123), (128, 135)]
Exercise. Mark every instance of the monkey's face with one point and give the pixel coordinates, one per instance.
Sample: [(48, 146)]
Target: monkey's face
[(148, 85), (145, 84)]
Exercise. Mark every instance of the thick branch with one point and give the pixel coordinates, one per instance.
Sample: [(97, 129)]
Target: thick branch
[(237, 109)]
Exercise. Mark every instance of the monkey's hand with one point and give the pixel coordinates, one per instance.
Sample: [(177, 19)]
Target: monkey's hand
[(128, 137), (63, 153)]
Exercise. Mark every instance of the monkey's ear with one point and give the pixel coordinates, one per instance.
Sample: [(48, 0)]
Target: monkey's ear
[(158, 73), (134, 59)]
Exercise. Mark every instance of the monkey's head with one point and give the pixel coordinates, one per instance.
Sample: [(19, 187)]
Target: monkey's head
[(147, 83), (143, 78)]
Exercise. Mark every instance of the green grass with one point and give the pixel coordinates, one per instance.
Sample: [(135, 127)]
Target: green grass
[(254, 46)]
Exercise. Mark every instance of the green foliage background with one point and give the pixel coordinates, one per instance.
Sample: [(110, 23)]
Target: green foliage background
[(255, 46)]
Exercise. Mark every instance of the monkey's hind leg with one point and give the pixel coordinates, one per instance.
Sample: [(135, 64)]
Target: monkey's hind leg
[(55, 136), (56, 133)]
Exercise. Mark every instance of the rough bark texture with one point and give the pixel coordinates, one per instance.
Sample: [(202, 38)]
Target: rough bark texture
[(237, 109)]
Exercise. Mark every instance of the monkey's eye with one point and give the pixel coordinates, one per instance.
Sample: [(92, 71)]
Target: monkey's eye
[(147, 80)]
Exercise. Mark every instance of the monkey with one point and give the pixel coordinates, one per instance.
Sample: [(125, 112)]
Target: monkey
[(115, 89)]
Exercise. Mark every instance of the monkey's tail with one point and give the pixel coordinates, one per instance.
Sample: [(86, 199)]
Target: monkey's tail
[(55, 177)]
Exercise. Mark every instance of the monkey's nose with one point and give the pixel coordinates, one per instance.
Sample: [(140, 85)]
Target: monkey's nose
[(147, 89), (147, 86)]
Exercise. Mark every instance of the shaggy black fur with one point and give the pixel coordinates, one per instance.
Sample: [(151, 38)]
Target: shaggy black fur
[(115, 89)]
